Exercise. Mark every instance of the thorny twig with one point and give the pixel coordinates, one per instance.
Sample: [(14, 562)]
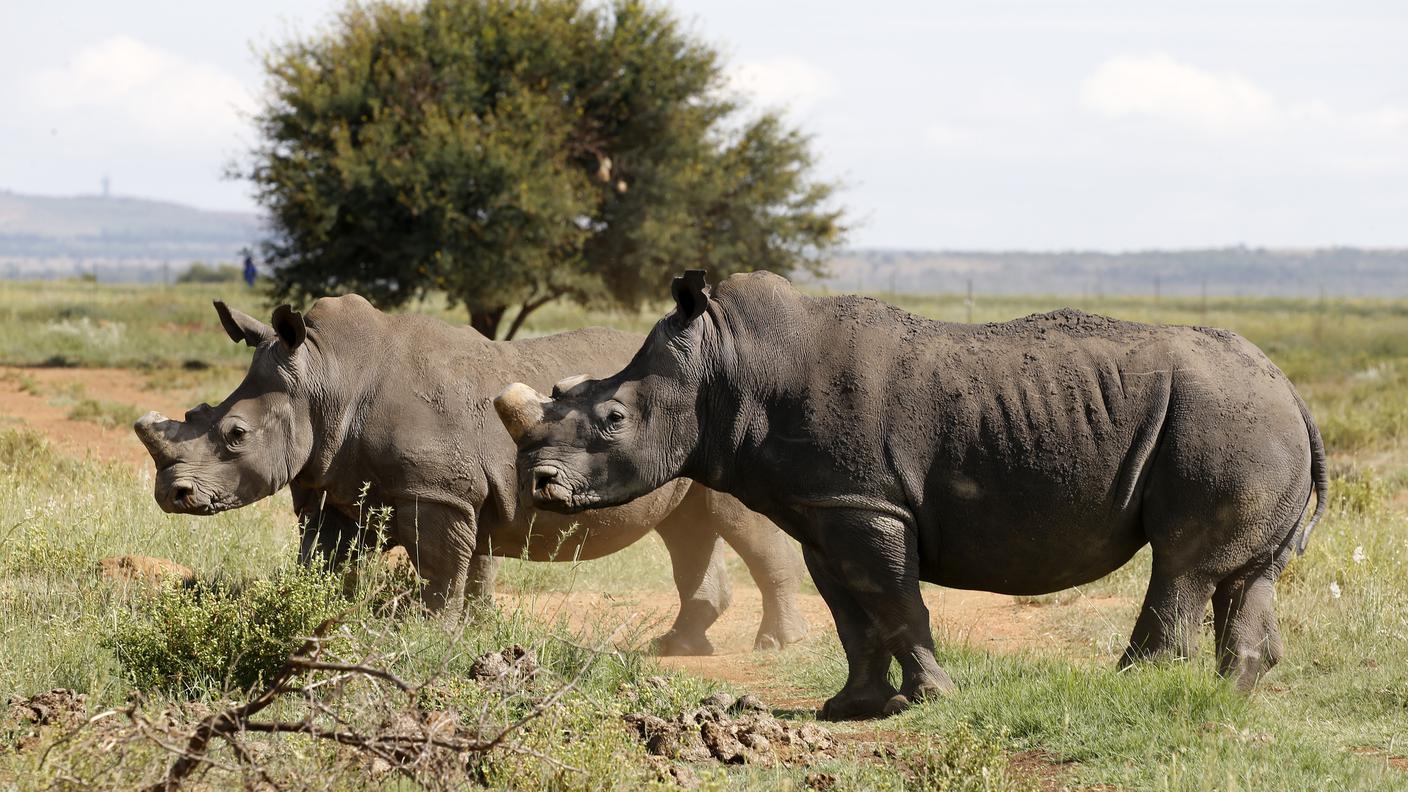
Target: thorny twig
[(400, 751)]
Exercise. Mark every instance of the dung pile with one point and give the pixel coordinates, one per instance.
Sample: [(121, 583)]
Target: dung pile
[(731, 731), (25, 718)]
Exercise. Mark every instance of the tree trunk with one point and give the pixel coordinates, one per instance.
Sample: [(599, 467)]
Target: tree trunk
[(487, 321)]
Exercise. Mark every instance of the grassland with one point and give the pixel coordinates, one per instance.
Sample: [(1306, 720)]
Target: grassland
[(1334, 715)]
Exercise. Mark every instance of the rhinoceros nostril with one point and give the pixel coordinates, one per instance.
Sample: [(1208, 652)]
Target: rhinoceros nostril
[(181, 493), (544, 476)]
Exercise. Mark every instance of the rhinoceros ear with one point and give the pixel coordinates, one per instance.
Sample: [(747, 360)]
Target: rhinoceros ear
[(241, 326), (288, 323), (691, 293)]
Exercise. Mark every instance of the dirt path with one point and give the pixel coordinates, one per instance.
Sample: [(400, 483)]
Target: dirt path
[(975, 618), (989, 621)]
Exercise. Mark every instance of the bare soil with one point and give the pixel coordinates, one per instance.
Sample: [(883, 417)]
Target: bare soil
[(82, 438), (977, 618)]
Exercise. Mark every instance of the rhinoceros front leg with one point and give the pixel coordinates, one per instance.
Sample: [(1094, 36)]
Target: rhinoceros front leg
[(440, 541), (866, 567), (483, 572), (328, 538)]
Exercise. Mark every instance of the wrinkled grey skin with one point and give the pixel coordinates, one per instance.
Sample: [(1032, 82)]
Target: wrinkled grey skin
[(348, 395), (1020, 458)]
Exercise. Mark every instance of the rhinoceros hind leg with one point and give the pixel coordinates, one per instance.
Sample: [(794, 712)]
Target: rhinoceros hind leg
[(774, 562), (675, 643), (1244, 621), (1171, 617), (697, 558)]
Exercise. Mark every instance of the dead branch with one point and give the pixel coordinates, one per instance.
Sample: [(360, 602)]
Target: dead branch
[(402, 751)]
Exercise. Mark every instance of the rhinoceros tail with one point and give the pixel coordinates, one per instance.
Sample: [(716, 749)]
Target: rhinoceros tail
[(1317, 476)]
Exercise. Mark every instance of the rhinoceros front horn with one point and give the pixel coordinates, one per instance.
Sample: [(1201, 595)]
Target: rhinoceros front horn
[(520, 408), (152, 430)]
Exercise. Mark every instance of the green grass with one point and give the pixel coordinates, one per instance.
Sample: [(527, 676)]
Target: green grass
[(1325, 718)]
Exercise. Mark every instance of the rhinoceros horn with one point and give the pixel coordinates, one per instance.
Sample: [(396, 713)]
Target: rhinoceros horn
[(520, 408), (152, 430)]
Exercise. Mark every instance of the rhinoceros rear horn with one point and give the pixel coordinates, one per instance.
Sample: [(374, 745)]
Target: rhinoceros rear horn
[(241, 326), (520, 408), (567, 383), (691, 293)]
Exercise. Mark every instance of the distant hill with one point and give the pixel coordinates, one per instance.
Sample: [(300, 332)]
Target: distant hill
[(1234, 271), (134, 239), (41, 235)]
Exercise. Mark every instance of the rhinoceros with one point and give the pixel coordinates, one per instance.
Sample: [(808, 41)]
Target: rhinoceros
[(348, 396), (1020, 458)]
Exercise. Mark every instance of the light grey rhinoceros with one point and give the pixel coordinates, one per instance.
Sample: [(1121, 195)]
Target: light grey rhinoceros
[(1021, 458), (349, 395)]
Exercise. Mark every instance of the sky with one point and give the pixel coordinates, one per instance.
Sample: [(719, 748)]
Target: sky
[(957, 125)]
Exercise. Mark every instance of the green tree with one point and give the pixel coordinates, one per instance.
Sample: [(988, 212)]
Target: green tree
[(511, 152)]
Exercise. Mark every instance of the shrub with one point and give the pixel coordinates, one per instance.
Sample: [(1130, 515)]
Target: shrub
[(216, 635), (964, 760), (200, 272)]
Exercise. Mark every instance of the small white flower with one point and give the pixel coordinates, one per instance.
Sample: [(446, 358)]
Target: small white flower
[(1358, 556), (1334, 590)]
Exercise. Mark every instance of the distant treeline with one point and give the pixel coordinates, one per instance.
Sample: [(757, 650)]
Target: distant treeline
[(175, 246), (1234, 271), (1227, 272)]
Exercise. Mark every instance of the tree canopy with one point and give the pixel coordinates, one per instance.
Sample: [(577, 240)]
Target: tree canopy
[(512, 152)]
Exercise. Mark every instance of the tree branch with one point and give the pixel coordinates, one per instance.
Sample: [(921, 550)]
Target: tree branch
[(529, 305)]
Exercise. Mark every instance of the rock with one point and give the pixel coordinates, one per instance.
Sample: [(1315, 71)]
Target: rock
[(755, 741), (709, 733), (721, 743), (507, 667), (719, 700), (679, 775), (144, 568), (815, 737), (821, 781), (398, 561), (59, 708), (748, 703)]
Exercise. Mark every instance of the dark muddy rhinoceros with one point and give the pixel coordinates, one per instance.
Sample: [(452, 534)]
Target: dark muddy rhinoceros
[(1020, 458), (349, 395)]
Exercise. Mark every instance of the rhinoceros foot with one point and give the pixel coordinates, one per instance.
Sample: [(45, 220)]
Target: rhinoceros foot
[(860, 705), (778, 633), (679, 644)]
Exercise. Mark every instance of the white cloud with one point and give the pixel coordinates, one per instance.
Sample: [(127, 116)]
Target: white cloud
[(150, 91), (780, 82), (946, 136), (1159, 87)]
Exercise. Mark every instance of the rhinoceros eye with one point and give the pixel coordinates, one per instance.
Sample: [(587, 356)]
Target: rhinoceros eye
[(236, 434), (615, 417)]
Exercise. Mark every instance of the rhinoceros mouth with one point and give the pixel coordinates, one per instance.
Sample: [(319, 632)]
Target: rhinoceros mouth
[(556, 497), (186, 497), (552, 490)]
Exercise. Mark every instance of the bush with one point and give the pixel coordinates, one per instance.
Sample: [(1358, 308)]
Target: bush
[(211, 273), (219, 636), (964, 760)]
